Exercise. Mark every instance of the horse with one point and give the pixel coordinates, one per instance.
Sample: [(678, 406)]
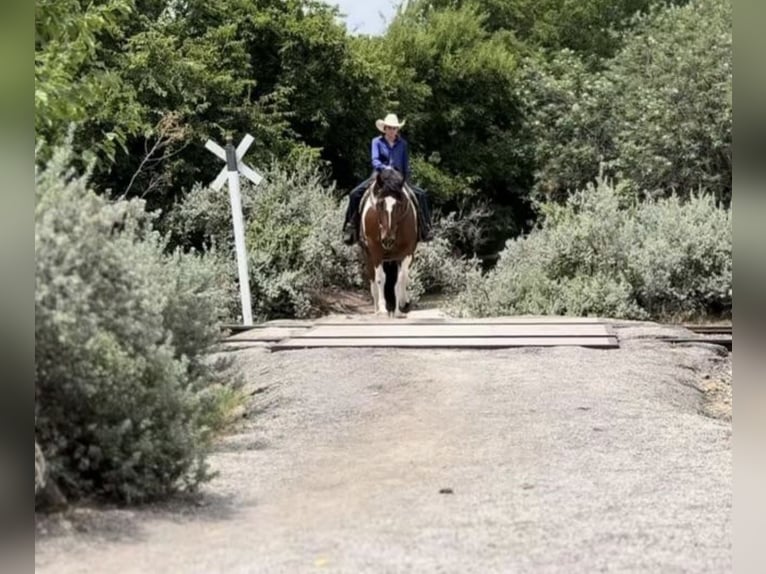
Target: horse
[(389, 236)]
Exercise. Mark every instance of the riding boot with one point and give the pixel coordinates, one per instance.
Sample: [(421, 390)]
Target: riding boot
[(351, 224), (350, 231)]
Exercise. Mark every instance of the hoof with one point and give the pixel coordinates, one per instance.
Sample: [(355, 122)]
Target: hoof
[(405, 308)]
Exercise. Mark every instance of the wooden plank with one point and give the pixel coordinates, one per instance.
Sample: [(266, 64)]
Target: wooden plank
[(452, 331), (264, 334), (236, 328), (292, 323), (524, 320), (453, 342)]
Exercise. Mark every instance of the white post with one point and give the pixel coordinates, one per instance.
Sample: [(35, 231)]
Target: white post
[(231, 172), (239, 232)]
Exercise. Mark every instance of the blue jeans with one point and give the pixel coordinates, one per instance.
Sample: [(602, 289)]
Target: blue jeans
[(354, 199)]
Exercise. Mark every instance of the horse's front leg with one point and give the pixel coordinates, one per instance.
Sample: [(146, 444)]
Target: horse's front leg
[(402, 287), (373, 284), (377, 287), (374, 292)]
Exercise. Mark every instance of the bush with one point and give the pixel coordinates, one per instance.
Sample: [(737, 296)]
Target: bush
[(603, 253), (123, 394), (294, 245), (438, 266), (684, 264)]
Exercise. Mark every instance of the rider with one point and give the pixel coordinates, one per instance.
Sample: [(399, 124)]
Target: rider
[(387, 150)]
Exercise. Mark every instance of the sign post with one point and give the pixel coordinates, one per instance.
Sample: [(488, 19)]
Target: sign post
[(230, 173)]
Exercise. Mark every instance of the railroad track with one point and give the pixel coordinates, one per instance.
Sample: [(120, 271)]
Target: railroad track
[(713, 334)]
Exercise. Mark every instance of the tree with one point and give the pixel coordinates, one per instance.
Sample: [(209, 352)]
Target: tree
[(672, 89), (659, 115), (589, 28), (71, 81)]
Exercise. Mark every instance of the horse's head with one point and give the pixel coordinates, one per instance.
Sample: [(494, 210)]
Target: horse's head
[(390, 205)]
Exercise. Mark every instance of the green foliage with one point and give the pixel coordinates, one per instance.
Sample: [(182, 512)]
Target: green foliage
[(673, 100), (567, 113), (684, 264), (659, 116), (232, 66), (437, 269), (590, 28), (443, 186), (122, 393), (605, 254), (71, 81)]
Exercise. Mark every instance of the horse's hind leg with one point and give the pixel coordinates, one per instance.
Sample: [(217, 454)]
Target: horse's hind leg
[(391, 272), (403, 302)]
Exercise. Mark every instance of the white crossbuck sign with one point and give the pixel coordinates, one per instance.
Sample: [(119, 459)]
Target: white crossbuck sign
[(235, 166)]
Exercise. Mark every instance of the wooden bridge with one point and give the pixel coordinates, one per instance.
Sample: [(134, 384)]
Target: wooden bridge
[(424, 329)]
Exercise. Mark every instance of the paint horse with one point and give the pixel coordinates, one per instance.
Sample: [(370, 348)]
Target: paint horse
[(389, 235)]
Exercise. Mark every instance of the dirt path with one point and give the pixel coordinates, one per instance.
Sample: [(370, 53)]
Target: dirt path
[(538, 460)]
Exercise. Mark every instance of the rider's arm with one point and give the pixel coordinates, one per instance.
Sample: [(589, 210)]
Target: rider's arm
[(406, 161), (377, 165)]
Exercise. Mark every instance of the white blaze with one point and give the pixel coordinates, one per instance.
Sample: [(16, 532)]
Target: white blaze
[(390, 202)]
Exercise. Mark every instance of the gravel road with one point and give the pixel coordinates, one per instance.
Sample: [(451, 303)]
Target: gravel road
[(520, 460)]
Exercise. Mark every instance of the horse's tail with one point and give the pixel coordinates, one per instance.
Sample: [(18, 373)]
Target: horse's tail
[(391, 271)]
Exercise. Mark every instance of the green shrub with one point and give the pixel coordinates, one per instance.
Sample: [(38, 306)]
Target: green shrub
[(438, 266), (684, 264), (293, 238), (123, 393), (603, 253)]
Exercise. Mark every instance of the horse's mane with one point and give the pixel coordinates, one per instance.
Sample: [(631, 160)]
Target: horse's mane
[(390, 183)]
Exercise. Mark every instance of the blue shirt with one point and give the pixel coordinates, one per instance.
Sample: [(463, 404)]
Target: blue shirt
[(395, 156)]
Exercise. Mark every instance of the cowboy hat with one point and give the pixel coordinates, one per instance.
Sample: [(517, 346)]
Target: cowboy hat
[(389, 120)]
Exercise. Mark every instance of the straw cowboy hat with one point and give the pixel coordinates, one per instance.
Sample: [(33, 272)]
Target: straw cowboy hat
[(389, 120)]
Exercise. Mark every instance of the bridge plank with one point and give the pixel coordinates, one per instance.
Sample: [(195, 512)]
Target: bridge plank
[(452, 342), (524, 320), (395, 329), (264, 334)]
